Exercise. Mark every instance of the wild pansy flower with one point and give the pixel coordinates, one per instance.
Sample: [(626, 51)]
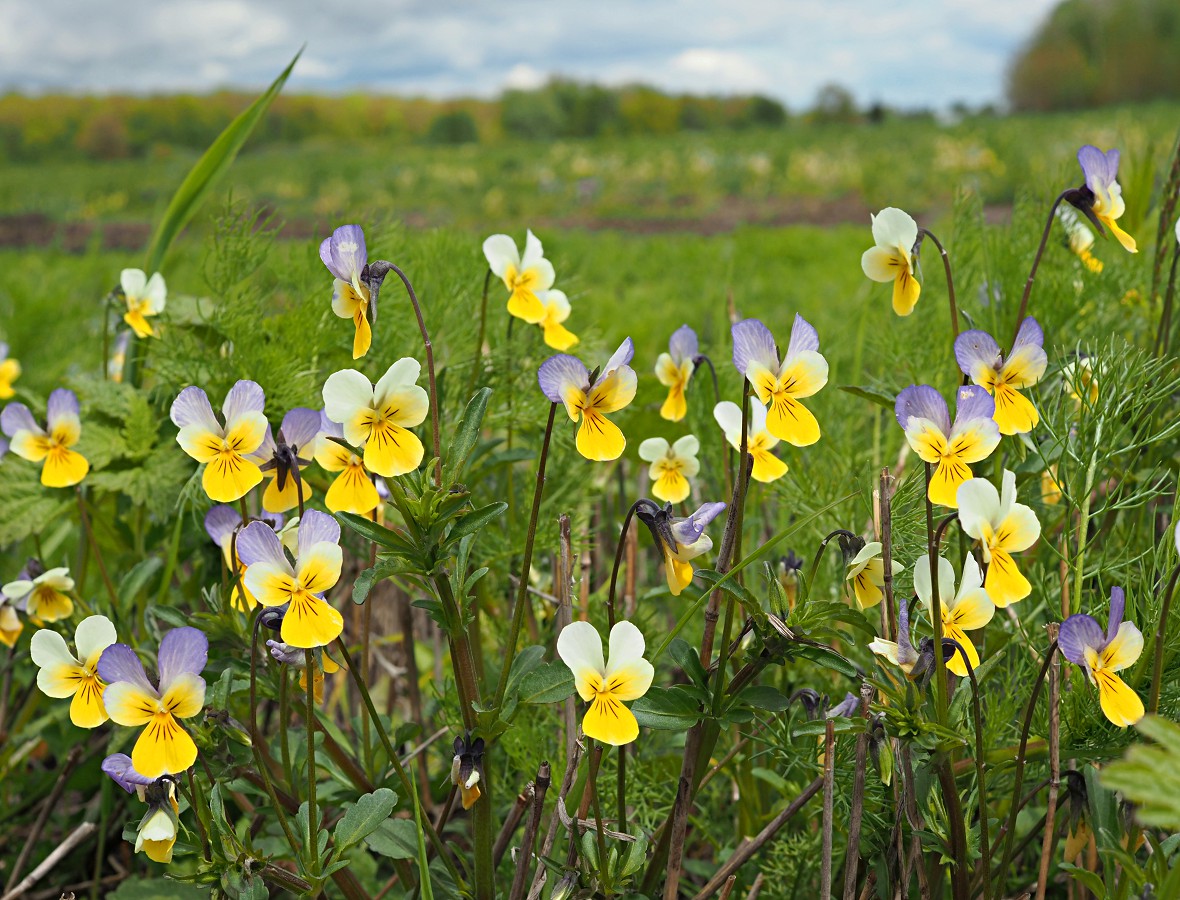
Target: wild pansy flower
[(221, 522), (467, 766), (681, 539), (61, 466), (40, 593), (964, 610), (353, 489), (1101, 198), (759, 441), (527, 277), (296, 658), (274, 581), (1003, 527), (866, 571), (1100, 655), (923, 414), (1081, 239), (378, 417), (565, 379), (557, 310), (163, 747), (345, 256), (1051, 492), (893, 258), (226, 450), (779, 385), (9, 372), (671, 465), (283, 460), (156, 834), (63, 674), (626, 675), (10, 624), (980, 359), (145, 298), (674, 369)]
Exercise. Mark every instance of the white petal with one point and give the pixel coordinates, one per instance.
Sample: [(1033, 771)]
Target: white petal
[(729, 417), (500, 252), (580, 648), (48, 648), (867, 552), (687, 447), (345, 393), (653, 449), (893, 227), (946, 580), (132, 282), (155, 293), (403, 372), (94, 634), (979, 505), (533, 252), (972, 578), (626, 647)]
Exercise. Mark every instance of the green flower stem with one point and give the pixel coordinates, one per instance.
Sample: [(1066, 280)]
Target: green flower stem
[(284, 716), (479, 338), (592, 779), (950, 281), (980, 775), (1079, 571), (1157, 671), (621, 788), (313, 822), (525, 565), (395, 761), (1036, 264), (809, 579), (95, 551)]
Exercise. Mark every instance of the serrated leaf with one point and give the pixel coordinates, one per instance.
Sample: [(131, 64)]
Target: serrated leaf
[(363, 818), (550, 682)]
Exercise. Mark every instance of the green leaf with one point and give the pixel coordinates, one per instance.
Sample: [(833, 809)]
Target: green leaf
[(369, 577), (1149, 775), (666, 709), (881, 398), (363, 818), (551, 682), (764, 697), (525, 662), (686, 657), (209, 168), (476, 519), (467, 434), (137, 578), (826, 657), (379, 534), (1092, 882)]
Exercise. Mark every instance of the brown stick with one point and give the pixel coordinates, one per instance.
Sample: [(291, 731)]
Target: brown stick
[(77, 836), (1054, 762), (742, 855), (728, 889), (825, 869), (567, 782), (504, 838), (852, 858), (540, 787), (755, 888)]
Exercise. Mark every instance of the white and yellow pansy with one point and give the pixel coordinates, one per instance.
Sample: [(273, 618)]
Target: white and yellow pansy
[(866, 573), (892, 259), (1003, 527), (145, 298), (65, 674), (526, 276), (607, 685), (672, 465), (759, 441), (963, 610)]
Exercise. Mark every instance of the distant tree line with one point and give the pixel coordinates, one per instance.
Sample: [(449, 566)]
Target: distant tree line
[(1096, 52)]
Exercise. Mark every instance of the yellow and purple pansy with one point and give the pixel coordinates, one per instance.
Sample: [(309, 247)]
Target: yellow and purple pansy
[(963, 610), (345, 256), (282, 460), (780, 385), (980, 359), (163, 747), (61, 466), (681, 539), (565, 379), (156, 834), (378, 417), (1003, 527), (352, 490), (526, 276), (674, 369), (1101, 655), (606, 685), (672, 465), (922, 413), (221, 523), (65, 674), (759, 441), (226, 450), (1105, 204), (275, 581)]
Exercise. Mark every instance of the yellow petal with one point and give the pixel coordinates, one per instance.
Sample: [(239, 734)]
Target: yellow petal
[(905, 291), (679, 574), (49, 605), (671, 486), (609, 721), (279, 501), (63, 468), (559, 337), (392, 450), (944, 483), (1121, 236), (362, 338), (141, 327), (676, 406), (1120, 704), (469, 795), (230, 477), (788, 420), (163, 748), (1015, 413), (159, 851), (955, 663), (311, 622), (1005, 584), (1124, 649), (86, 709), (129, 705), (185, 696), (319, 567), (598, 437), (867, 594), (353, 492), (767, 466), (524, 305)]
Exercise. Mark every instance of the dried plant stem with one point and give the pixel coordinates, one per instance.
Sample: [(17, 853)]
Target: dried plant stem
[(77, 836), (47, 808), (1054, 764), (825, 868), (1161, 631), (852, 857), (592, 787), (567, 782), (743, 854), (504, 838), (524, 860), (756, 887), (728, 889), (1036, 264)]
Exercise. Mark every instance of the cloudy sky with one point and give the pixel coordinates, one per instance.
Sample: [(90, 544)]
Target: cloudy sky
[(907, 53)]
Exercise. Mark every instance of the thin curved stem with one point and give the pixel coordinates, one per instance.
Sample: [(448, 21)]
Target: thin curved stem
[(614, 573), (950, 281), (1032, 274), (479, 339), (823, 545), (1157, 670), (984, 838)]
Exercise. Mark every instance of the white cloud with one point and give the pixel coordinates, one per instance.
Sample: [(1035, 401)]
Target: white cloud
[(524, 77), (718, 70)]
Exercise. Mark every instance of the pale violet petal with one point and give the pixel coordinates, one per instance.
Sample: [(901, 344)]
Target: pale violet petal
[(753, 342), (559, 373), (183, 651)]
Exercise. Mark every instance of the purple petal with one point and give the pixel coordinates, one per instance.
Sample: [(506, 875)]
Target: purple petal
[(689, 530), (274, 520), (328, 428), (344, 253), (3, 351), (753, 342), (191, 407), (119, 663), (286, 654), (558, 373), (973, 402), (243, 397), (620, 357), (315, 527), (118, 766), (1029, 335), (975, 350), (683, 344), (220, 523), (803, 337), (300, 427), (16, 417), (921, 401), (905, 648), (257, 542), (1100, 169), (1078, 633), (266, 450), (61, 403), (183, 651), (1118, 603), (846, 708)]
